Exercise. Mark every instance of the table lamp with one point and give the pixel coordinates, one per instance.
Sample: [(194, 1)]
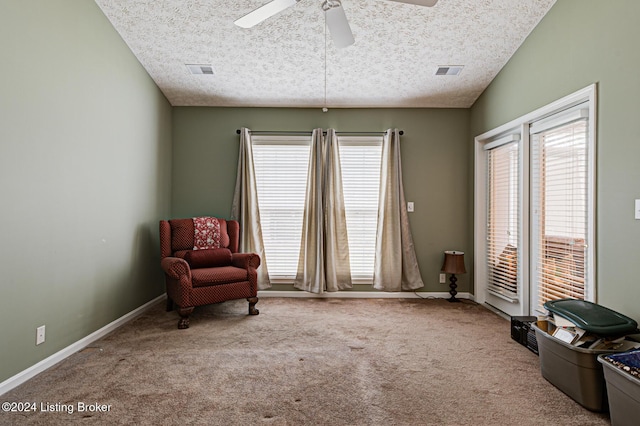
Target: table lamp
[(453, 264)]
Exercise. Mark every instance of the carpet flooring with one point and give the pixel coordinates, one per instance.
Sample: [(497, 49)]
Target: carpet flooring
[(304, 362)]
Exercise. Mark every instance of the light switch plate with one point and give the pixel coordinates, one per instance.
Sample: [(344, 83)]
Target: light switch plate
[(40, 335), (410, 206), (637, 209)]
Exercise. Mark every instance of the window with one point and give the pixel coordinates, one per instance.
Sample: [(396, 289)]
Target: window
[(360, 163), (281, 168), (559, 200)]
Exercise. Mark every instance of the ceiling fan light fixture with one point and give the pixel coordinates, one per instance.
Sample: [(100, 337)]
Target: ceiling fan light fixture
[(337, 23), (335, 18)]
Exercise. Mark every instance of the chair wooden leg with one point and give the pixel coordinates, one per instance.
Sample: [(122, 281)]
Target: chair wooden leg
[(169, 304), (252, 305), (184, 317)]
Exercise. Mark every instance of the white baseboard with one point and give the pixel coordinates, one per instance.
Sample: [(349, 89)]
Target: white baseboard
[(363, 294), (50, 361), (496, 311)]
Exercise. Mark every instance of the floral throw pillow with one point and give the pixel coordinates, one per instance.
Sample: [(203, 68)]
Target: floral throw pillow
[(206, 233)]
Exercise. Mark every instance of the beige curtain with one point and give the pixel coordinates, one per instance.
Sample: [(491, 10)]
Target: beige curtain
[(310, 274), (338, 267), (396, 265), (245, 208), (323, 264)]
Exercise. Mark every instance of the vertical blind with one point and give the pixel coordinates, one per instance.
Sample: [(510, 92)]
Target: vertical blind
[(503, 217), (559, 201), (281, 168), (360, 163)]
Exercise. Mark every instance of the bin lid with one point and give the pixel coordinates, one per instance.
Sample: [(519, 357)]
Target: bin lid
[(592, 317)]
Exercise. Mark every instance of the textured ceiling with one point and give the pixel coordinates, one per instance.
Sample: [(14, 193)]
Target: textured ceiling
[(289, 61)]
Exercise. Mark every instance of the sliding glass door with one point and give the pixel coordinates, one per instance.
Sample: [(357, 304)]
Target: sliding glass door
[(535, 226)]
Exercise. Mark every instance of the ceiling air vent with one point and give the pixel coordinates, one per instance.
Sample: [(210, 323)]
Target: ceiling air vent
[(449, 70), (200, 69)]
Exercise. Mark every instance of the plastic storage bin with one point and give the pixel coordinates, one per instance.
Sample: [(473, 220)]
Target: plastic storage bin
[(573, 370), (621, 373)]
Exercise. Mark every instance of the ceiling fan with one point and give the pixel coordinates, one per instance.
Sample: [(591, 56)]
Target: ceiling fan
[(334, 17)]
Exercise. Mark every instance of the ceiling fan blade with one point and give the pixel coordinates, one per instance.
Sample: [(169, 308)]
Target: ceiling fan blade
[(427, 3), (264, 12), (338, 26)]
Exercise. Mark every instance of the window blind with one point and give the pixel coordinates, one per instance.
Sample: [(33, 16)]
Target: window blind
[(360, 163), (281, 168), (559, 200), (503, 211)]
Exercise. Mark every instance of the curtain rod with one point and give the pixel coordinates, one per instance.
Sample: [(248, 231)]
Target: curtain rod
[(302, 132)]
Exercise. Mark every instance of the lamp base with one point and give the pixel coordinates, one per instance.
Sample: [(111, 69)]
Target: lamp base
[(453, 286)]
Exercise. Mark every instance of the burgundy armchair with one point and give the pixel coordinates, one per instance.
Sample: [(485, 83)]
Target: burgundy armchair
[(196, 277)]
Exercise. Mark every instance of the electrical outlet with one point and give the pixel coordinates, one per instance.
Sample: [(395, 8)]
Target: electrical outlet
[(410, 206), (443, 278), (40, 335)]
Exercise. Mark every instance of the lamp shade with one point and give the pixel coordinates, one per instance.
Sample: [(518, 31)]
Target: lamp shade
[(453, 262)]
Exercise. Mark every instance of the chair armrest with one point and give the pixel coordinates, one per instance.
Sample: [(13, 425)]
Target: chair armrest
[(176, 267), (245, 260)]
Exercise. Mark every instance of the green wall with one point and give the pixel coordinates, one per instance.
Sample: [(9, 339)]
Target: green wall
[(92, 155), (435, 162), (578, 43), (84, 177)]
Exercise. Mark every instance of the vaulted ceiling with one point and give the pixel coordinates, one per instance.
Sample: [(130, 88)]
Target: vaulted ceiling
[(289, 59)]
